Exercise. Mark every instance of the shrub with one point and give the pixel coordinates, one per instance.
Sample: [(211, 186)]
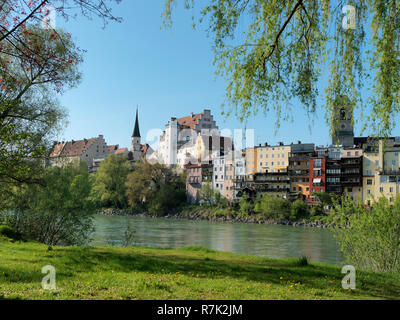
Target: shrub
[(9, 232), (370, 239), (302, 261), (273, 207), (245, 206), (59, 212), (299, 210)]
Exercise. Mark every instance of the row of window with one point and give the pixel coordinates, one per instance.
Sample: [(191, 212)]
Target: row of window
[(368, 162), (279, 163), (272, 155)]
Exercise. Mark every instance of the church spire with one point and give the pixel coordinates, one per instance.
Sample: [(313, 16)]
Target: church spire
[(136, 131)]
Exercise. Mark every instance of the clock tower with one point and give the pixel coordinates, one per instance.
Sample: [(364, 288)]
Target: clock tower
[(343, 133)]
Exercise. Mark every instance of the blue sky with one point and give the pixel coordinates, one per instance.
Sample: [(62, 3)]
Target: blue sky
[(166, 72)]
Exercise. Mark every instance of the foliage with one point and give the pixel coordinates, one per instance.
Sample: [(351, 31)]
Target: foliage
[(58, 213), (370, 239), (9, 232), (273, 207), (274, 52), (246, 207), (317, 210), (326, 198), (213, 197), (207, 194), (154, 187), (109, 188), (299, 210)]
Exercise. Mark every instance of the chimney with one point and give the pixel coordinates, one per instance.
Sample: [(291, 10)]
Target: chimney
[(73, 141), (298, 142), (266, 144), (191, 114)]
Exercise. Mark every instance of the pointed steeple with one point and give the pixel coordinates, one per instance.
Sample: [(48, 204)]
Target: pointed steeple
[(136, 131)]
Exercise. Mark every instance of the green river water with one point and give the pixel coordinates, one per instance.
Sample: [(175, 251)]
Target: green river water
[(274, 241)]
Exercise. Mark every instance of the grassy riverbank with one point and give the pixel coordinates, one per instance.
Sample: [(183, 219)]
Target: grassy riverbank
[(189, 273)]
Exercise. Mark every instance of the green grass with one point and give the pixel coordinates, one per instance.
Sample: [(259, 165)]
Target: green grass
[(188, 273)]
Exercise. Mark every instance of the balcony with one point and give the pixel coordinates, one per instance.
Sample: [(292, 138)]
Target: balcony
[(299, 158), (287, 190)]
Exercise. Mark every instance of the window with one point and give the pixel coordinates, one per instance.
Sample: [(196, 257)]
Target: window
[(294, 188), (369, 173), (261, 156), (393, 162), (317, 163), (356, 153), (391, 189), (368, 192), (368, 162), (348, 153), (377, 162), (381, 189), (369, 182)]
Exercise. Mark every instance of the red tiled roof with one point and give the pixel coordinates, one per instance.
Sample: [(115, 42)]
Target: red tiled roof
[(144, 148), (113, 148), (121, 151), (72, 148), (190, 121), (58, 148)]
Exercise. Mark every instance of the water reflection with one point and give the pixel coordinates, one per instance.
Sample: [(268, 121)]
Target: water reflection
[(261, 240)]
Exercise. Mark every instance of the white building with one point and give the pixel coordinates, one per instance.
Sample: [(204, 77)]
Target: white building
[(219, 174), (191, 139)]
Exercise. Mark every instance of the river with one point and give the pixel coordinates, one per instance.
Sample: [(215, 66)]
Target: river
[(274, 241)]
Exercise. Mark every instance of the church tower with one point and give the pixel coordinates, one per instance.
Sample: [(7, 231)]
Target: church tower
[(136, 145), (343, 133)]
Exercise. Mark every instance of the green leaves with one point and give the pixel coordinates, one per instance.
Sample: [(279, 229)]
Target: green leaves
[(370, 239), (109, 186), (281, 56)]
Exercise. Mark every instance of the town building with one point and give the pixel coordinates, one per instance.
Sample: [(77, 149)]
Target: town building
[(191, 138), (381, 173), (317, 174), (219, 174), (198, 175), (73, 151), (299, 169)]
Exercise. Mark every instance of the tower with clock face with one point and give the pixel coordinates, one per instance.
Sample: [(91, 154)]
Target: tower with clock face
[(343, 132)]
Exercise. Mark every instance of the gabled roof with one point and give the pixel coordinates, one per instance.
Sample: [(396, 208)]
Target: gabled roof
[(190, 121), (121, 151), (72, 148)]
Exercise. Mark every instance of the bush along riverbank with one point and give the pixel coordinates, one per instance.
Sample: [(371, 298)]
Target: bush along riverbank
[(230, 215)]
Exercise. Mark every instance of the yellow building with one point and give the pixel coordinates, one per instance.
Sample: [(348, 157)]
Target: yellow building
[(381, 173), (251, 163), (272, 158)]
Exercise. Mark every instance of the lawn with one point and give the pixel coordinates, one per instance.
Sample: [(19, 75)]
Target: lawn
[(188, 273)]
